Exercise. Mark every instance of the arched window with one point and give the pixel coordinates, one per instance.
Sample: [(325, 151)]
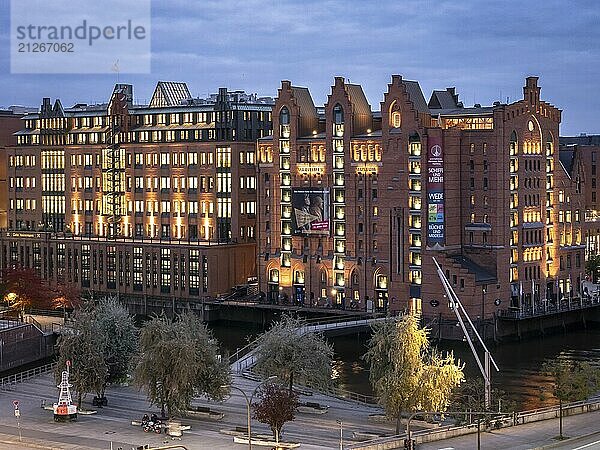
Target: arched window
[(549, 145), (338, 115), (414, 144), (299, 277), (395, 118), (513, 143), (274, 276), (382, 282), (284, 116)]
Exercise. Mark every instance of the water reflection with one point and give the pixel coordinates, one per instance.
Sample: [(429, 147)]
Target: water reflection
[(519, 362)]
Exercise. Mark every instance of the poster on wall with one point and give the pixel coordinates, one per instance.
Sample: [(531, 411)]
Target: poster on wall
[(435, 192), (310, 213)]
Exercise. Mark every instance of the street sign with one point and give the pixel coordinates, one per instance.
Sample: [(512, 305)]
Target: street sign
[(17, 413), (16, 404), (68, 363)]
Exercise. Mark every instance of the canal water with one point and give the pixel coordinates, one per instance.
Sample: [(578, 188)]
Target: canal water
[(519, 362)]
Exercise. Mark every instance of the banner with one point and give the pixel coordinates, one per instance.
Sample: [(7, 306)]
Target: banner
[(435, 192), (310, 211)]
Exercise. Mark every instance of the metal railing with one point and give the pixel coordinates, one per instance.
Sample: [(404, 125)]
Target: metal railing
[(547, 308), (240, 360), (347, 395), (517, 418), (12, 380)]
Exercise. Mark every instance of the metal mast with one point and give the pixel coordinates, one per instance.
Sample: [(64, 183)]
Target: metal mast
[(64, 397), (457, 307)]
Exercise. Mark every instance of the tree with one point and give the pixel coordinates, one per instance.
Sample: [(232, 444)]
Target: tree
[(100, 345), (66, 296), (83, 346), (571, 382), (276, 405), (178, 360), (470, 396), (592, 268), (25, 289), (120, 338), (292, 354), (406, 373)]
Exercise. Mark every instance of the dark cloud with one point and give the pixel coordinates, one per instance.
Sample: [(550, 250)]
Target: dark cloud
[(485, 49)]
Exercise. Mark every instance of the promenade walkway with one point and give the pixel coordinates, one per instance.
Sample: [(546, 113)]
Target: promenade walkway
[(536, 435)]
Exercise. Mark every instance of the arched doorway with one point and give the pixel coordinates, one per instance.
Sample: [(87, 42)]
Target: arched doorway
[(381, 293), (299, 289)]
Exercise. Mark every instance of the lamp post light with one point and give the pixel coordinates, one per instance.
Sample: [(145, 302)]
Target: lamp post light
[(249, 404)]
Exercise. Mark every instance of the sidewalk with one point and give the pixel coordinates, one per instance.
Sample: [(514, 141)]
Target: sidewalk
[(524, 437)]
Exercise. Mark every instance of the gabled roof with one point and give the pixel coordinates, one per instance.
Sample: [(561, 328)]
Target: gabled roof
[(416, 96), (169, 93), (443, 99), (566, 158), (358, 99), (304, 101)]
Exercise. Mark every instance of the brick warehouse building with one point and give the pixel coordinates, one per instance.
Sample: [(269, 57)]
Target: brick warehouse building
[(353, 204), (152, 201), (582, 153)]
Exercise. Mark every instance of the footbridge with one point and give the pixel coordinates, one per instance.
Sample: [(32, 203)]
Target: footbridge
[(245, 358)]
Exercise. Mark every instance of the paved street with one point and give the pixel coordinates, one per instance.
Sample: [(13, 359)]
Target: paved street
[(112, 424), (530, 436)]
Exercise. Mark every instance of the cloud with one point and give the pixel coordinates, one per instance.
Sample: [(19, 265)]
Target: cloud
[(484, 49)]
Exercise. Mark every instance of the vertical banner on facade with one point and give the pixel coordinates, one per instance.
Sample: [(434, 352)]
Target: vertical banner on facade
[(435, 192)]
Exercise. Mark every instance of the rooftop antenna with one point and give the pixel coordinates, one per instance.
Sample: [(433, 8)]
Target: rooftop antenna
[(457, 307)]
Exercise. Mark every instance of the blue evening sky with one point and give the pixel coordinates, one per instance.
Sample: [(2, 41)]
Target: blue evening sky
[(485, 49)]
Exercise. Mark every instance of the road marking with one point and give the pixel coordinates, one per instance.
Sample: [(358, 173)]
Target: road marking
[(587, 445)]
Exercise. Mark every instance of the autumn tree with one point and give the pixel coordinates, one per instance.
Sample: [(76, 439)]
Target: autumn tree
[(66, 297), (82, 345), (287, 351), (25, 289), (179, 359), (276, 405), (571, 382), (408, 375)]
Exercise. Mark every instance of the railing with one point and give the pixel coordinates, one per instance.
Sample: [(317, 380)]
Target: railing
[(53, 327), (518, 418), (340, 325), (242, 360), (11, 380), (347, 395), (548, 308)]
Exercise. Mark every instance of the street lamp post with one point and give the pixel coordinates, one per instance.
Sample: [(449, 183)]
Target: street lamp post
[(341, 434), (249, 404)]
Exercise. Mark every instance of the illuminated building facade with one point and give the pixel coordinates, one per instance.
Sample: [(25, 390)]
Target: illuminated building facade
[(579, 155), (10, 122), (154, 201), (482, 189)]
